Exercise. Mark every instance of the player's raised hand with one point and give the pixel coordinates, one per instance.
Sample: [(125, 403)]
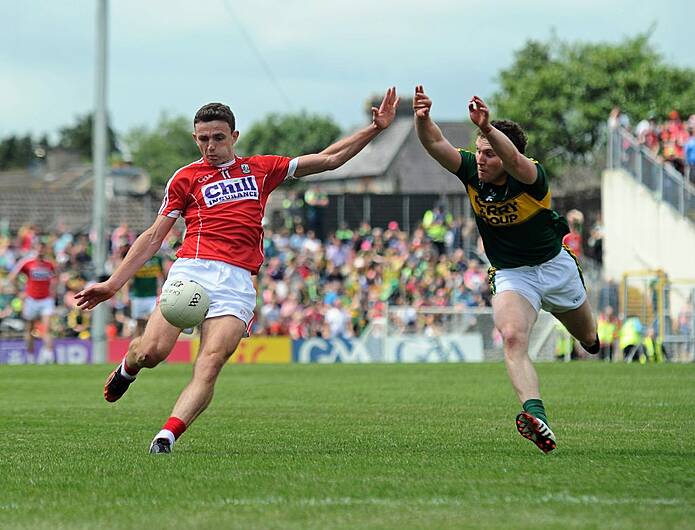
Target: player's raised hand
[(479, 113), (421, 103), (90, 297), (385, 114)]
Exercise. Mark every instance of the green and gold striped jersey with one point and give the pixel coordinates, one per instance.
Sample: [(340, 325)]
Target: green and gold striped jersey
[(514, 220), (144, 282)]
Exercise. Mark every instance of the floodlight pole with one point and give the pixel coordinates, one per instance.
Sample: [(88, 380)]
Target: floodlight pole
[(99, 153)]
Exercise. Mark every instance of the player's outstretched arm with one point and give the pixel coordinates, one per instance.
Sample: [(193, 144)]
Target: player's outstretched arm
[(343, 150), (144, 247), (514, 163), (430, 134)]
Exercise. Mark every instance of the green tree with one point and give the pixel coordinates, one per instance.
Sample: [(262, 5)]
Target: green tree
[(16, 152), (562, 93), (25, 150), (8, 150), (289, 135), (78, 137), (163, 149)]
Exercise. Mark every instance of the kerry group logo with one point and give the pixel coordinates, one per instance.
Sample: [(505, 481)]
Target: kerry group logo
[(238, 189), (502, 213), (512, 211)]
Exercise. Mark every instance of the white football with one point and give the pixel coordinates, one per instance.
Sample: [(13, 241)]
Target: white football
[(184, 303)]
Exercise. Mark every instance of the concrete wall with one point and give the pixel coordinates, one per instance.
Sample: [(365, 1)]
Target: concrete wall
[(641, 232)]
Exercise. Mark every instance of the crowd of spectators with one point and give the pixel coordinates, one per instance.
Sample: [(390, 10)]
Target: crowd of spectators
[(334, 288), (308, 287), (672, 140), (71, 253)]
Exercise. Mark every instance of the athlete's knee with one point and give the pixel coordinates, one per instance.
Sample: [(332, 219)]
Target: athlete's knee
[(515, 338), (208, 368)]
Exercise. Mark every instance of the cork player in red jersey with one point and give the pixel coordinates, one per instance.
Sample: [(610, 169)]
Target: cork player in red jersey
[(39, 295), (222, 199)]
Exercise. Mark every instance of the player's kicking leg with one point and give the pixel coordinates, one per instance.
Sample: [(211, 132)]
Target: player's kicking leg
[(143, 352), (219, 339), (581, 324)]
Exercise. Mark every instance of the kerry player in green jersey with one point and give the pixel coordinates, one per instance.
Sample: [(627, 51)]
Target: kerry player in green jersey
[(523, 241), (143, 290)]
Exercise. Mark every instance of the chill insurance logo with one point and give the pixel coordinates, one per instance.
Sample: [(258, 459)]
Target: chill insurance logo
[(238, 189)]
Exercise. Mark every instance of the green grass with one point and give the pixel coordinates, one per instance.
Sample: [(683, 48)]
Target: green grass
[(352, 447)]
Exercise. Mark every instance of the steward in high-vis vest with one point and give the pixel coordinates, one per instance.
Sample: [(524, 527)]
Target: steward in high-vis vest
[(436, 223), (653, 351), (630, 338), (607, 328)]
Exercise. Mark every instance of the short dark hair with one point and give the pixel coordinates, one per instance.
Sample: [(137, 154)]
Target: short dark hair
[(214, 112), (513, 131)]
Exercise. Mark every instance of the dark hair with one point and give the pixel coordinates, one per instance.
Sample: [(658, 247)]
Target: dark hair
[(513, 131), (213, 112)]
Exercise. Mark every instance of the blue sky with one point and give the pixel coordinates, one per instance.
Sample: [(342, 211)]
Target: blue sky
[(323, 56)]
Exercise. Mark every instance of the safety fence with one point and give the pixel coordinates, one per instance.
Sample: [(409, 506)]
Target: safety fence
[(668, 185), (662, 308), (658, 310), (436, 335), (442, 325)]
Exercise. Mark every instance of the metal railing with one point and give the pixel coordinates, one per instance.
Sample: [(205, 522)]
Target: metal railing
[(667, 183), (430, 321)]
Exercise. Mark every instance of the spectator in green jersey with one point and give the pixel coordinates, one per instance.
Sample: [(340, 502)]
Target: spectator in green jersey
[(143, 290)]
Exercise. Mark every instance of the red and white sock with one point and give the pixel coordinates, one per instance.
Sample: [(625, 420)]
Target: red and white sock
[(172, 429), (129, 372)]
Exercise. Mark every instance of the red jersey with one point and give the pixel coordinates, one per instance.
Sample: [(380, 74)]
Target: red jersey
[(574, 241), (39, 273), (223, 207)]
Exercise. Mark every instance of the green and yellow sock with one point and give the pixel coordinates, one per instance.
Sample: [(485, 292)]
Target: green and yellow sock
[(535, 408)]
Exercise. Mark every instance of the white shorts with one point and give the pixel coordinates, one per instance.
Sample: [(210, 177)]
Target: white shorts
[(141, 307), (230, 287), (34, 308), (556, 285)]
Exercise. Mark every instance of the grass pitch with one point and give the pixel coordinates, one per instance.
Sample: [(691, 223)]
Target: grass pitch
[(338, 446)]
